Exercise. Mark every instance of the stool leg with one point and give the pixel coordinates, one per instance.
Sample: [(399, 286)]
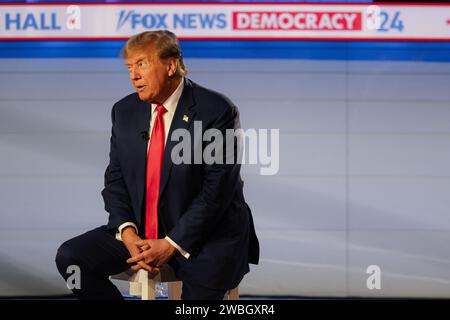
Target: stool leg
[(147, 286), (151, 290), (175, 290)]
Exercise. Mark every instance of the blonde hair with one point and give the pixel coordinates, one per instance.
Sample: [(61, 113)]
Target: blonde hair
[(164, 42)]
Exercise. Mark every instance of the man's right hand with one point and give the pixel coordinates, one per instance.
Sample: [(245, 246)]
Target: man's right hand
[(130, 238)]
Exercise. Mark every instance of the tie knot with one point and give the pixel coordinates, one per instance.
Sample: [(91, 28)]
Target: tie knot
[(161, 109)]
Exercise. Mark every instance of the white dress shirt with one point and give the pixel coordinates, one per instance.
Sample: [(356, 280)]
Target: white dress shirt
[(171, 105)]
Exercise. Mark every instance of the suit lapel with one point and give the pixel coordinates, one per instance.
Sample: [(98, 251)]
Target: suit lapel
[(184, 109), (143, 125)]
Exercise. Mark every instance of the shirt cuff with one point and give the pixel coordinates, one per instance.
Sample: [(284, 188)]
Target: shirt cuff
[(183, 252), (123, 226)]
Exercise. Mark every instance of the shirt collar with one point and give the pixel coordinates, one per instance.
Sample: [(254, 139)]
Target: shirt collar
[(171, 103)]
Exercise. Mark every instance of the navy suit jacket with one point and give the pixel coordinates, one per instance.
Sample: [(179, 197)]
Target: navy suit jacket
[(201, 207)]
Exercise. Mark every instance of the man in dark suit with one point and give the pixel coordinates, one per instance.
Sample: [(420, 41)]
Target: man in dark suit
[(192, 216)]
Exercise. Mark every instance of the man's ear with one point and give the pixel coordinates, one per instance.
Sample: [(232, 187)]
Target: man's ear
[(172, 67)]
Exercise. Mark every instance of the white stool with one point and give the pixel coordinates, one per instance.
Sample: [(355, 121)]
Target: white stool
[(142, 283)]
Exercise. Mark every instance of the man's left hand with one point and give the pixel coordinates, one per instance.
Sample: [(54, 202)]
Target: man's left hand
[(155, 252)]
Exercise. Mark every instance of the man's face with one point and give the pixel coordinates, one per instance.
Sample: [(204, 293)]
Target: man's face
[(149, 76)]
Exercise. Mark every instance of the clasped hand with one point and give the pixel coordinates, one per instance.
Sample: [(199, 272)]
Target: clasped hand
[(153, 254)]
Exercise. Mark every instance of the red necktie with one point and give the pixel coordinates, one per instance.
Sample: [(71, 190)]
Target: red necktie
[(154, 164)]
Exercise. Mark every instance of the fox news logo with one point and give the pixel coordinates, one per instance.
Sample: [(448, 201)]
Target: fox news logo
[(175, 21)]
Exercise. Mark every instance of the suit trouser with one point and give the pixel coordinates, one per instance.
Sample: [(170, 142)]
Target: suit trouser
[(99, 255)]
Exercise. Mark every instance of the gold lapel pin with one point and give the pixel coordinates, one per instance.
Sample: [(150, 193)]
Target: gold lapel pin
[(185, 118)]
